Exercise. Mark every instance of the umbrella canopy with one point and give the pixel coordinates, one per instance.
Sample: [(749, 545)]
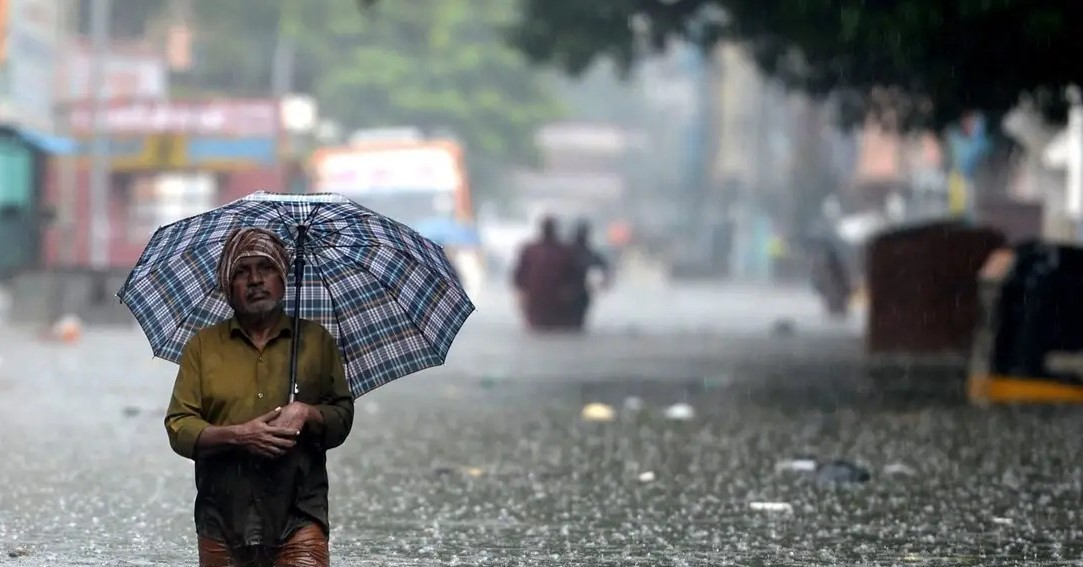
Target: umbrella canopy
[(448, 232), (387, 294)]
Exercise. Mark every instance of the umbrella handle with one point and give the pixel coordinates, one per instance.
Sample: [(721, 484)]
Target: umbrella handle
[(298, 277)]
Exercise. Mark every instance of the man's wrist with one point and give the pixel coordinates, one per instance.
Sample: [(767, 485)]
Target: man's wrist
[(232, 435)]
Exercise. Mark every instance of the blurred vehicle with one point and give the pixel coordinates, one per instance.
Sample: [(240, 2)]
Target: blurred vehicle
[(419, 182)]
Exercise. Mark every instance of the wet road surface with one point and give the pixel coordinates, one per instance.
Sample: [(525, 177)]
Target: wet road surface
[(486, 461)]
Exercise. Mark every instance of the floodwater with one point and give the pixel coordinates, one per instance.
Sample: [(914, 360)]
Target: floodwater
[(486, 461)]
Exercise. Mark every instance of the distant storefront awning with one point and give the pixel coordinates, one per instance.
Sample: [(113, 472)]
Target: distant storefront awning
[(48, 143)]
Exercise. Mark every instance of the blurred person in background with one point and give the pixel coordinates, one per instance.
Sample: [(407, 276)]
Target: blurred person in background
[(593, 272), (831, 279), (545, 278)]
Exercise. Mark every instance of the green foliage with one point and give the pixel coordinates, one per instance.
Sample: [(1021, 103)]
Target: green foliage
[(436, 64), (932, 60)]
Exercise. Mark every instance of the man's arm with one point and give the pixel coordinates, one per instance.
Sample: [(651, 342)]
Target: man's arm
[(184, 421), (333, 419), (191, 435), (602, 264)]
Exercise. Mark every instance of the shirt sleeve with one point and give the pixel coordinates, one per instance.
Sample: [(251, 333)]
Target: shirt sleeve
[(336, 401), (184, 421)]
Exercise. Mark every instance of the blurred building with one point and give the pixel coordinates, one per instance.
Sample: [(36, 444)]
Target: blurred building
[(30, 41), (581, 176), (30, 49), (168, 159), (134, 69)]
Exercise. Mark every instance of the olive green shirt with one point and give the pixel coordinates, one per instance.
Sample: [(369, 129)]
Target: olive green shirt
[(243, 499)]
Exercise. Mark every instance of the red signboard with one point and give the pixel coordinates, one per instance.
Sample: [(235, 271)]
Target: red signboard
[(227, 117)]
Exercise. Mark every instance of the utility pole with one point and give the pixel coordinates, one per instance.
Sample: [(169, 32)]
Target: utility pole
[(65, 217), (282, 62), (99, 150)]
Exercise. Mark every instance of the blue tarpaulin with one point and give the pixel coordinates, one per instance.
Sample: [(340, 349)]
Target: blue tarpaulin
[(47, 143)]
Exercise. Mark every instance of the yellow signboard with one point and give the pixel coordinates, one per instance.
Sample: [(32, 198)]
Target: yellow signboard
[(166, 151), (163, 151), (159, 152)]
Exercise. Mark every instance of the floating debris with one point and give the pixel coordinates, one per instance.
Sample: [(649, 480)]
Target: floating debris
[(784, 507), (598, 412), (784, 328), (17, 552), (680, 412), (899, 469), (473, 472), (632, 403), (68, 329), (647, 476), (842, 472), (797, 465)]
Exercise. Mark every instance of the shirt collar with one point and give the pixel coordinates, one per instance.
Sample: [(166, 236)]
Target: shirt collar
[(283, 328)]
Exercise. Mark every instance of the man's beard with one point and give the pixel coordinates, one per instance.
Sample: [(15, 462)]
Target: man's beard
[(261, 314)]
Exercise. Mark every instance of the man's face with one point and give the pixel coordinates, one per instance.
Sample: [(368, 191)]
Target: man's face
[(257, 286)]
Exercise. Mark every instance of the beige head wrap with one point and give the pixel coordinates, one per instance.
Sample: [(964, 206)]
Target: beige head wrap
[(247, 242)]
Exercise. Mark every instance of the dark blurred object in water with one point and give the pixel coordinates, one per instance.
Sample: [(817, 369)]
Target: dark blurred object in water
[(923, 290), (1027, 348), (783, 328), (842, 472)]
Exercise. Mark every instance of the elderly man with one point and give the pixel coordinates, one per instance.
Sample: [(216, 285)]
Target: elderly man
[(260, 462)]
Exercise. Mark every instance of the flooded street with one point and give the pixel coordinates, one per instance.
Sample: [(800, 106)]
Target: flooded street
[(486, 461)]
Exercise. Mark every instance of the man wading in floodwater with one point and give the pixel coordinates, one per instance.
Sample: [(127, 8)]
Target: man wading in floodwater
[(260, 464)]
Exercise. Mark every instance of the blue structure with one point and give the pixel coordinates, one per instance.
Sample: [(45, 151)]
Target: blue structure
[(448, 232), (23, 158)]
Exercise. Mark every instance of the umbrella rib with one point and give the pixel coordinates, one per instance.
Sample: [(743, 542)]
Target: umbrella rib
[(362, 212), (285, 221), (312, 214), (326, 235)]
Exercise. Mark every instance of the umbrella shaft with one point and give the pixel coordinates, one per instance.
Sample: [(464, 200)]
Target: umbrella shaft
[(298, 282)]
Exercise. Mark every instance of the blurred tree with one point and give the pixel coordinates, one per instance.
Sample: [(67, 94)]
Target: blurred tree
[(928, 61), (433, 64)]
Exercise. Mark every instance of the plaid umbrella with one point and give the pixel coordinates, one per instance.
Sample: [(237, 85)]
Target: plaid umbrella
[(388, 295)]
